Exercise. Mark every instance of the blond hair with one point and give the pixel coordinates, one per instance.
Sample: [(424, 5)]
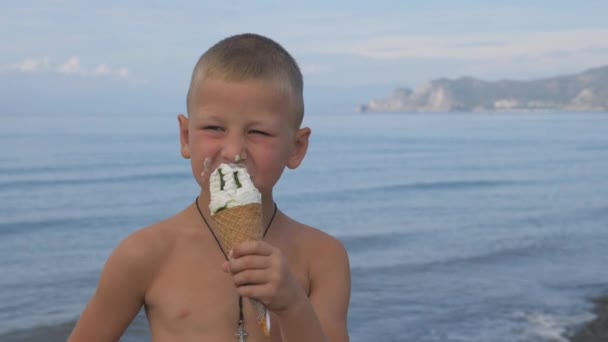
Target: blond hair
[(250, 57)]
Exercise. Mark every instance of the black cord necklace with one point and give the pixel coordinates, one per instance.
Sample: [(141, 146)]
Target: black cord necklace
[(240, 333)]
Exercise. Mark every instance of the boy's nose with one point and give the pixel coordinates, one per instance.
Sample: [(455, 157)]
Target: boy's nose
[(234, 149)]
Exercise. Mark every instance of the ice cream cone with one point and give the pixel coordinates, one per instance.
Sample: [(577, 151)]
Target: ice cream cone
[(238, 224), (237, 219)]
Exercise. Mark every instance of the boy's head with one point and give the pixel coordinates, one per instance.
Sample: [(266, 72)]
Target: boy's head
[(245, 104), (250, 57)]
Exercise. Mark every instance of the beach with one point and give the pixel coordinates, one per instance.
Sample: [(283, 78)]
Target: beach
[(597, 329)]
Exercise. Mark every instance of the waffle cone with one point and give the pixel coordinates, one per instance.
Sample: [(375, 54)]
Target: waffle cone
[(238, 224)]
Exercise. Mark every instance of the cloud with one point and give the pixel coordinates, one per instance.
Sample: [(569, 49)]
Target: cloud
[(414, 58), (102, 69), (123, 72), (479, 46), (309, 69), (28, 65), (72, 65)]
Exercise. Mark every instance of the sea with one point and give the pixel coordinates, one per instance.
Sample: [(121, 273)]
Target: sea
[(459, 227)]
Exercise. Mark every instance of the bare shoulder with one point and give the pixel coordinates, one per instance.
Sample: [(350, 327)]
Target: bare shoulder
[(312, 236), (323, 251), (145, 250), (329, 277), (123, 283), (143, 247)]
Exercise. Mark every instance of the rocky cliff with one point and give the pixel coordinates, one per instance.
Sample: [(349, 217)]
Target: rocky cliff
[(583, 92)]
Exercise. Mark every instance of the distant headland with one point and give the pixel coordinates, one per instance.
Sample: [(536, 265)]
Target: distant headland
[(583, 92)]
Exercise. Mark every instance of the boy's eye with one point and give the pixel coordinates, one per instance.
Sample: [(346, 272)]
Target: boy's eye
[(256, 131), (214, 128)]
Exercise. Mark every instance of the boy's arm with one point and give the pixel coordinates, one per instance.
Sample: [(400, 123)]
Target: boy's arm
[(119, 295), (330, 289), (329, 296)]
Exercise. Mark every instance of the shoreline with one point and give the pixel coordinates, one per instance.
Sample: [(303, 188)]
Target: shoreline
[(595, 330)]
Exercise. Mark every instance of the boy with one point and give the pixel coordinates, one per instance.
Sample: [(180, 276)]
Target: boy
[(245, 105)]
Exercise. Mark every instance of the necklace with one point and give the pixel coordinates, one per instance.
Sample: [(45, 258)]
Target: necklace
[(241, 334)]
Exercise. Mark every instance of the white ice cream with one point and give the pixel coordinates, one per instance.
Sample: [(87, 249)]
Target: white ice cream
[(226, 192)]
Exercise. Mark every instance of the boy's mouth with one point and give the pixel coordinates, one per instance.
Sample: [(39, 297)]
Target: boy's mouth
[(208, 162)]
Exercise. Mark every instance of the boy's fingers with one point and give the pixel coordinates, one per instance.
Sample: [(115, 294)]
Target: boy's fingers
[(257, 247), (248, 262), (258, 291), (249, 278)]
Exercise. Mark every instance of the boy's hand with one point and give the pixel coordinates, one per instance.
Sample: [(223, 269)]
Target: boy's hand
[(260, 271)]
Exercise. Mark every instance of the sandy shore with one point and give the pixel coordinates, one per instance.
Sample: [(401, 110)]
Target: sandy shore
[(597, 329)]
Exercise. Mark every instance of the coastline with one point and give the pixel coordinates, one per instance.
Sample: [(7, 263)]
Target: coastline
[(136, 332), (597, 329)]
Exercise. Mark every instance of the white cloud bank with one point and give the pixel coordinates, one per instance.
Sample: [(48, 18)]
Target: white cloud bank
[(71, 66), (416, 58), (482, 46)]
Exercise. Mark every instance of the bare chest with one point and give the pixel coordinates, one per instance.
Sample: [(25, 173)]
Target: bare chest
[(193, 299)]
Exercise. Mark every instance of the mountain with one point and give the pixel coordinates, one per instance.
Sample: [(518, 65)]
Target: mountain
[(583, 92)]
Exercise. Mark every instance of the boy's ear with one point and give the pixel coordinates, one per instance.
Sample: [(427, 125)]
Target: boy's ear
[(300, 148), (183, 122)]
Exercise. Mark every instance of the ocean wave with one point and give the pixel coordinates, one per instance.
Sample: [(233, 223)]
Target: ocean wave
[(30, 226), (37, 183), (544, 327), (401, 188), (377, 241), (593, 146), (49, 333), (138, 331), (36, 168), (525, 250)]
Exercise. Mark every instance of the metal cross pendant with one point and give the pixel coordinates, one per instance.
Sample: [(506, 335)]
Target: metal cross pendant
[(241, 334)]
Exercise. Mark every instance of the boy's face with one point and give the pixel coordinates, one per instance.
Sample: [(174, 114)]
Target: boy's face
[(253, 119)]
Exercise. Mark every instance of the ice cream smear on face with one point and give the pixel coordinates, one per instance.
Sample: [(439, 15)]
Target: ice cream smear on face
[(236, 210)]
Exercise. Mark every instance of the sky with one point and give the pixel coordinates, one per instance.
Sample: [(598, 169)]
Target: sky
[(115, 57)]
